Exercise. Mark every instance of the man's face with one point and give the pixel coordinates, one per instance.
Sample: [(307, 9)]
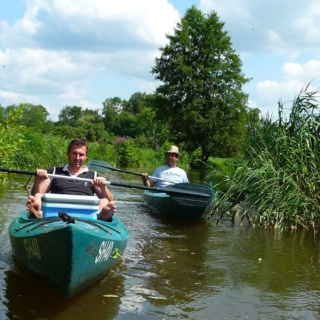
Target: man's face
[(172, 159), (77, 156)]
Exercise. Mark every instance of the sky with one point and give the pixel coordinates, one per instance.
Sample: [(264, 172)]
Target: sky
[(81, 52)]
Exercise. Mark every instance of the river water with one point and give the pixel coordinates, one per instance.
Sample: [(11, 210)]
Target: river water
[(174, 269)]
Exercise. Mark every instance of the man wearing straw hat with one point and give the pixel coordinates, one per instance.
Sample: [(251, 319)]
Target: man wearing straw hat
[(169, 174)]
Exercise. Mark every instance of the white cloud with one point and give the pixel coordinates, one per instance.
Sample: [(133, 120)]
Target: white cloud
[(269, 90), (16, 98), (57, 47), (276, 41), (306, 72), (37, 69), (273, 25), (296, 77), (102, 23), (55, 51), (292, 70)]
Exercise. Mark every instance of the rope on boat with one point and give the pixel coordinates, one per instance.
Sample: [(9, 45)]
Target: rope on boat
[(48, 220), (42, 223), (65, 217), (98, 225), (68, 219)]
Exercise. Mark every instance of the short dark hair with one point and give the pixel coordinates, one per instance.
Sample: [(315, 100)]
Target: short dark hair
[(79, 143)]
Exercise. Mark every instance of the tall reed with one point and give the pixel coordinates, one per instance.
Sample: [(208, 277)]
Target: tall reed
[(276, 180)]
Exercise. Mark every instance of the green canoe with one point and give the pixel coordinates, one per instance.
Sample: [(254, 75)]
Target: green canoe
[(68, 251), (194, 204)]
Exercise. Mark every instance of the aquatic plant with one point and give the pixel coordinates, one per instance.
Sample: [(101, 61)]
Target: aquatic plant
[(276, 181)]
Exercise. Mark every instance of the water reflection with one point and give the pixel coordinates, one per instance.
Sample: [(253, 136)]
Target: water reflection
[(177, 269), (27, 298), (170, 270)]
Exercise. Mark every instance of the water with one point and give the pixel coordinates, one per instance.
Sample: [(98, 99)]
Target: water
[(174, 269)]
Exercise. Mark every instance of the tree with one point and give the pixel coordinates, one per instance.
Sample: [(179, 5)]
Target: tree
[(33, 116), (137, 102), (126, 125), (201, 86), (91, 116), (12, 136), (112, 107), (2, 112), (69, 116)]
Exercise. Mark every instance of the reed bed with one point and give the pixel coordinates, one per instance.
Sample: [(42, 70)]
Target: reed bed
[(276, 180)]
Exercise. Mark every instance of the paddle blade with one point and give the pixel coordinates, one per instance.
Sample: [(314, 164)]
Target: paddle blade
[(97, 165), (193, 201), (192, 189)]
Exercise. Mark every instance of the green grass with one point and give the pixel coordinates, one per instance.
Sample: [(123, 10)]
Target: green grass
[(276, 181)]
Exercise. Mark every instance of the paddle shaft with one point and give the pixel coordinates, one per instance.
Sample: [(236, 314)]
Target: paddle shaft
[(33, 173), (134, 173), (98, 165), (173, 191), (124, 171)]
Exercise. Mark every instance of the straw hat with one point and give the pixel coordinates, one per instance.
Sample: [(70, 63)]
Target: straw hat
[(174, 149)]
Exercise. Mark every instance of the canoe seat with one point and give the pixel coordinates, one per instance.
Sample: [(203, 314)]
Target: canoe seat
[(74, 205)]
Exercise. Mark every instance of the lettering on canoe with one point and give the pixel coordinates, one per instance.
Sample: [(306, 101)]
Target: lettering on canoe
[(32, 248), (47, 248), (104, 251), (92, 251)]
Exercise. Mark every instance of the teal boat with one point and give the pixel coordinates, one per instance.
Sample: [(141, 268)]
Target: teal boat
[(194, 204), (68, 249)]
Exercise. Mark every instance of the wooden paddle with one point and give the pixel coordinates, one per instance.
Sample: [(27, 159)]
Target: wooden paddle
[(98, 165), (181, 189)]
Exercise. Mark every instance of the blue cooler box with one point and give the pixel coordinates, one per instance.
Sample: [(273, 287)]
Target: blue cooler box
[(74, 205)]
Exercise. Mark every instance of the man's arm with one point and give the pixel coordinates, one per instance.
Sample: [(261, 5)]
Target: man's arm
[(41, 184), (146, 181), (101, 189)]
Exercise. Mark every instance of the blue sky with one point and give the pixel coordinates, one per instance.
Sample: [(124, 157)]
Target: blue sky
[(59, 53)]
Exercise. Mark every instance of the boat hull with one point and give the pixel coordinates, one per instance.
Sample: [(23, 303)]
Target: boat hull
[(187, 207), (68, 257)]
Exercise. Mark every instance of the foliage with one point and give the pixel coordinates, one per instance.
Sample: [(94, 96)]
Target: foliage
[(88, 131), (154, 131), (119, 140), (69, 116), (91, 116), (276, 181), (137, 102), (135, 119), (127, 151), (41, 151), (69, 132), (11, 136), (221, 170), (32, 116), (94, 131), (195, 159), (202, 98), (126, 124), (112, 107), (2, 112), (103, 151)]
